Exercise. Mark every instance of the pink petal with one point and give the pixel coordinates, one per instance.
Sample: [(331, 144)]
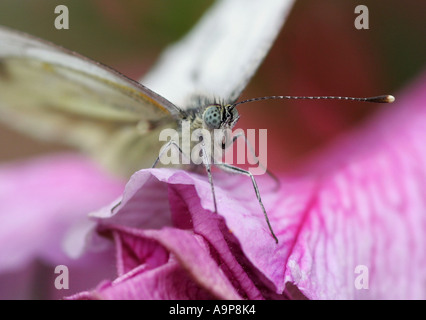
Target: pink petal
[(367, 211), (188, 213), (360, 203), (40, 200), (168, 281), (189, 273)]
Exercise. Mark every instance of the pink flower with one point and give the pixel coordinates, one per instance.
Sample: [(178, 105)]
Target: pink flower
[(41, 200), (44, 218), (350, 220), (356, 210)]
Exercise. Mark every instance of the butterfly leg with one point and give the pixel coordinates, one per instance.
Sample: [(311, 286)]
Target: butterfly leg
[(207, 165), (233, 169), (169, 144), (248, 144)]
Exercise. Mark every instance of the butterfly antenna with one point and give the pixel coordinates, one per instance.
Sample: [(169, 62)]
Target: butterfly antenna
[(378, 99)]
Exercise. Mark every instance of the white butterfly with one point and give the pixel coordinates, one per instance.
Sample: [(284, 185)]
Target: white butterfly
[(59, 95), (56, 94)]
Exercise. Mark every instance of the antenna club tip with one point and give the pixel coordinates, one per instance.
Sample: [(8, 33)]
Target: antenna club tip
[(390, 98), (382, 99)]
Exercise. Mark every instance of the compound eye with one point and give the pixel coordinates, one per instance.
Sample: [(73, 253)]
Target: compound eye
[(212, 117)]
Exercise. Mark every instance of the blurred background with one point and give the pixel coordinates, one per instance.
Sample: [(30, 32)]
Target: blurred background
[(318, 52)]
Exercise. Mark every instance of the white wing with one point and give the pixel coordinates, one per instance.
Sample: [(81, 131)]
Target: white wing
[(58, 95), (222, 52)]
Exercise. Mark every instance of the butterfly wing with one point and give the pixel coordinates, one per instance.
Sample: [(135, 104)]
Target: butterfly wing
[(58, 95), (221, 54)]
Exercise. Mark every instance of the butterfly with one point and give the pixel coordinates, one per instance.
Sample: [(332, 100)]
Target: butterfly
[(59, 95)]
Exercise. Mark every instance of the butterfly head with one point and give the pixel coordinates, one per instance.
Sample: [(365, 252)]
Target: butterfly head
[(217, 116)]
